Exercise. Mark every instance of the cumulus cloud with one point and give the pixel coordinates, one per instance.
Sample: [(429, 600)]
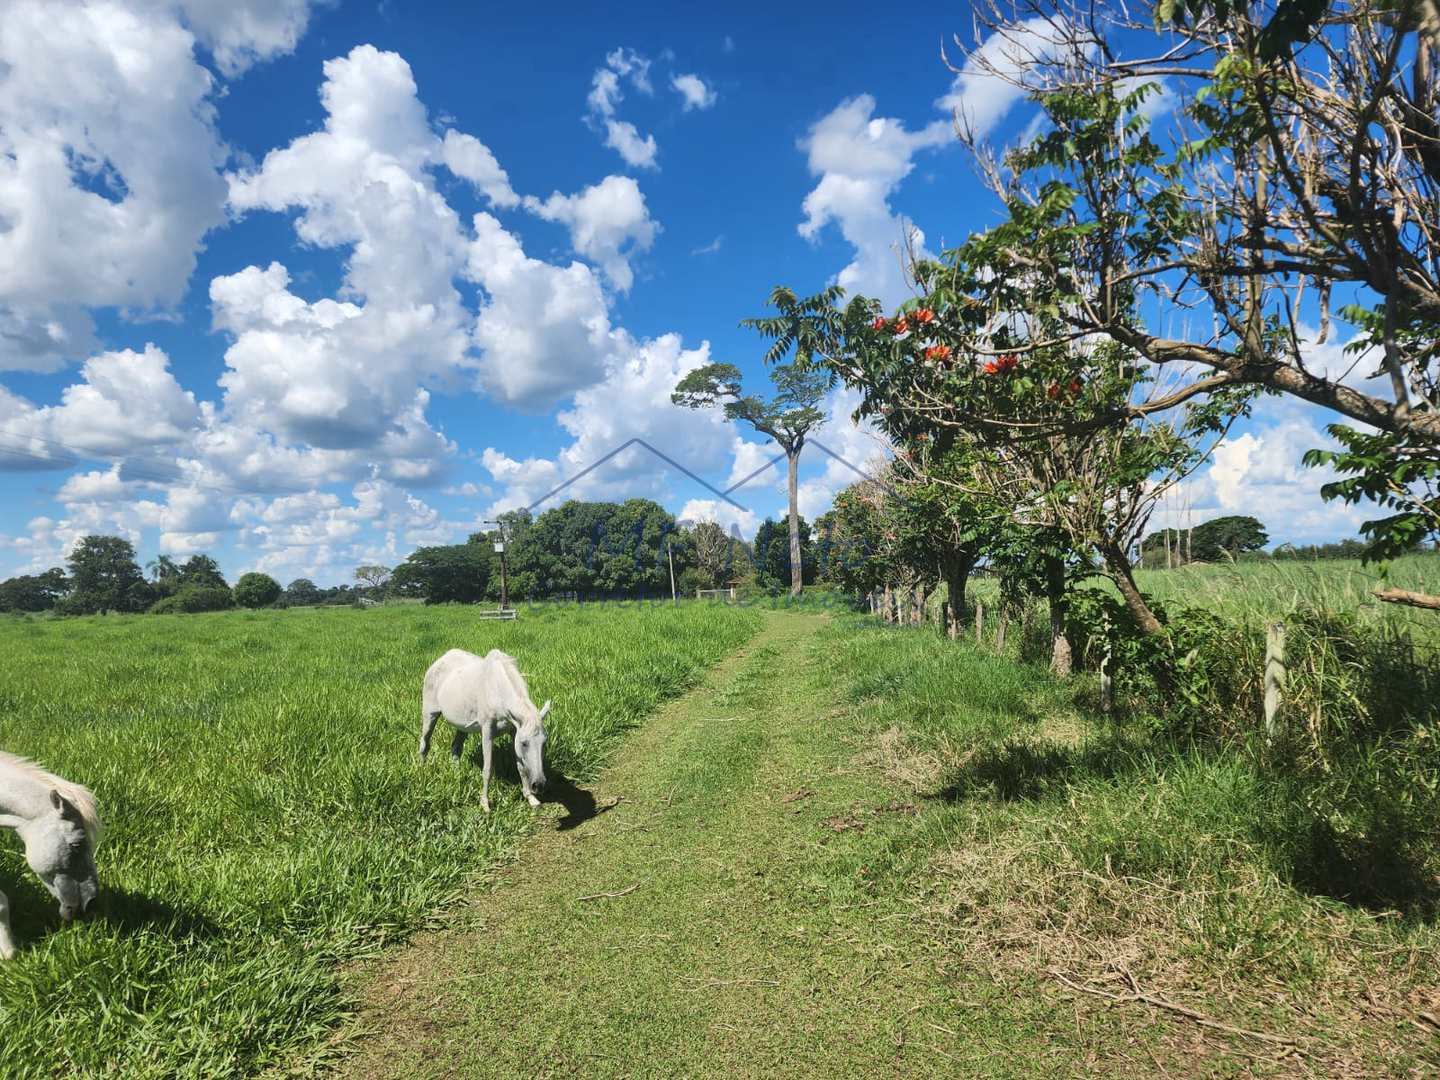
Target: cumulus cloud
[(240, 33), (632, 401), (608, 223), (860, 160), (544, 330), (693, 92), (108, 170), (985, 89), (607, 90), (736, 522), (125, 404), (470, 159)]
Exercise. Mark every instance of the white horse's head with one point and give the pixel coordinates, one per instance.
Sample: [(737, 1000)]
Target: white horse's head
[(61, 850), (530, 755)]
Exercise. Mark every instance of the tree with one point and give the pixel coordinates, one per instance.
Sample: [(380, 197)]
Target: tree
[(453, 574), (1227, 537), (193, 599), (372, 576), (105, 577), (1031, 437), (33, 592), (201, 572), (1288, 177), (714, 554), (162, 569), (809, 328), (773, 555), (255, 590), (302, 592)]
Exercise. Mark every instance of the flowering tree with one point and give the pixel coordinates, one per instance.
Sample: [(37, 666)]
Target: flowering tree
[(1300, 163)]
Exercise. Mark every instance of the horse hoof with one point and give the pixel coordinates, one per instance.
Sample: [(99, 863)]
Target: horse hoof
[(533, 800)]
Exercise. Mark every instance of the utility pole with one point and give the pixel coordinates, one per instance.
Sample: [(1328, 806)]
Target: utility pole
[(670, 552)]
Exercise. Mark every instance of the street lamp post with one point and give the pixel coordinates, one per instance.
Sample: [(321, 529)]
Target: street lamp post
[(500, 550)]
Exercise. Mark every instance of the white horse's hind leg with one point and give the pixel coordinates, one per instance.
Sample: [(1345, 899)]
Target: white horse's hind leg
[(428, 716), (7, 943)]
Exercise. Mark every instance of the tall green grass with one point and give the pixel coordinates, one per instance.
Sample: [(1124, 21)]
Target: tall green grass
[(267, 817), (1270, 896)]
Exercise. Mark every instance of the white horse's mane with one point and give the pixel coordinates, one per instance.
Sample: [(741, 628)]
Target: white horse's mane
[(77, 795)]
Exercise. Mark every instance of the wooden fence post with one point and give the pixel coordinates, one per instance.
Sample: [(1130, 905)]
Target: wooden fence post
[(1274, 675), (1107, 687), (979, 622), (919, 617), (1000, 630)]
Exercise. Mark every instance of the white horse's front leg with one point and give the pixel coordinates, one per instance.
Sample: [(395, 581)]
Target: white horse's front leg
[(7, 943), (487, 753)]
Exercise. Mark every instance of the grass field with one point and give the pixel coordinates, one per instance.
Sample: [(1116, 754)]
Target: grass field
[(855, 851), (1262, 590), (267, 818)]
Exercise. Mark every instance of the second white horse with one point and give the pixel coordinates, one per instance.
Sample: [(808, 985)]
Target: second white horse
[(486, 694)]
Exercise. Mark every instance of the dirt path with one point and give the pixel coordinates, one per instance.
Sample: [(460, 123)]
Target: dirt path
[(722, 952)]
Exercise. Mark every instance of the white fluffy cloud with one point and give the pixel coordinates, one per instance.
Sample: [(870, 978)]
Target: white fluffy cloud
[(608, 223), (470, 159), (985, 89), (109, 157), (239, 33), (632, 401), (108, 170), (545, 329), (694, 92), (860, 159), (606, 92), (126, 403)]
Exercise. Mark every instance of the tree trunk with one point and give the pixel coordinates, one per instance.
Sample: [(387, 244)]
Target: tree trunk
[(957, 573), (797, 569), (1125, 580), (886, 608), (1061, 655), (919, 616)]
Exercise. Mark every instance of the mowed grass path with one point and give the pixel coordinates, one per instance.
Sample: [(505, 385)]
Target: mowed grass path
[(861, 852), (267, 817)]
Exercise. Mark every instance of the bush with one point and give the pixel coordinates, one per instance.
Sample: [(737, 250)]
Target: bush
[(256, 590), (194, 598)]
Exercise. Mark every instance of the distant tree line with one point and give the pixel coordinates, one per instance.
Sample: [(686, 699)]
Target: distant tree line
[(594, 550), (102, 575), (1238, 537)]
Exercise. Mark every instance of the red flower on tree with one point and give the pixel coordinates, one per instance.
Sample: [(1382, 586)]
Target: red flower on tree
[(924, 316), (938, 352), (1007, 362), (879, 323), (1052, 391), (901, 325), (991, 367), (1074, 386)]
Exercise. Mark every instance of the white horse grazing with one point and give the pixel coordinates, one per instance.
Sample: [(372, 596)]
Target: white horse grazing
[(486, 694), (58, 822)]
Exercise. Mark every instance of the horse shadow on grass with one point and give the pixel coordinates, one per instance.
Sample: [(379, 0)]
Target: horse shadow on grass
[(580, 805), (133, 913), (35, 915)]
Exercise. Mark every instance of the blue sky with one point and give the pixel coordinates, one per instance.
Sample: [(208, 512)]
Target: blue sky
[(308, 285)]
